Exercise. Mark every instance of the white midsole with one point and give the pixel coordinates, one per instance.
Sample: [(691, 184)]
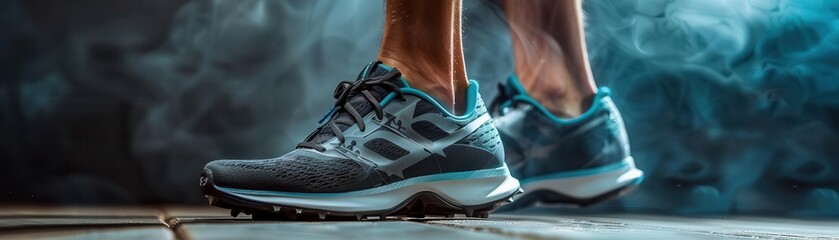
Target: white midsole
[(462, 192), (589, 185)]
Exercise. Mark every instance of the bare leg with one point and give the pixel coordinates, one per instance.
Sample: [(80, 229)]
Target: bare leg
[(550, 53), (422, 39)]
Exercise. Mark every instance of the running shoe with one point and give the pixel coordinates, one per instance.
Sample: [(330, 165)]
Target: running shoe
[(579, 161), (385, 149)]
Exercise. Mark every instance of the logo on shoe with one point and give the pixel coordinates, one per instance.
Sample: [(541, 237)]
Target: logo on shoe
[(351, 146), (202, 181), (393, 122)]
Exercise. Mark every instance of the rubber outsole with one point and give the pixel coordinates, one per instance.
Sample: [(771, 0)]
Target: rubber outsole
[(549, 197), (418, 205)]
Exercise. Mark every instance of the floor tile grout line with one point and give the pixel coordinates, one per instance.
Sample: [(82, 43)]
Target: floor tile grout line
[(177, 230), (173, 224)]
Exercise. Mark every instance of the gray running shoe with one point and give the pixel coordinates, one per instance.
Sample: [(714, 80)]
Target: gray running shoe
[(579, 161), (385, 149)]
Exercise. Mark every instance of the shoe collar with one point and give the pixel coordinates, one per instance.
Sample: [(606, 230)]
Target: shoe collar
[(518, 95), (471, 97)]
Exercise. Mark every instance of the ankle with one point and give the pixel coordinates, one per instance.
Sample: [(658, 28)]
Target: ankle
[(562, 88), (564, 99), (422, 40), (427, 77), (568, 106)]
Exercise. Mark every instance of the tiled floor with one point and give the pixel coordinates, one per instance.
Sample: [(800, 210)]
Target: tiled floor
[(178, 222)]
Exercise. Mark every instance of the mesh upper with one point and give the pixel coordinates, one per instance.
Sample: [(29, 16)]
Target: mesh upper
[(291, 172), (485, 137)]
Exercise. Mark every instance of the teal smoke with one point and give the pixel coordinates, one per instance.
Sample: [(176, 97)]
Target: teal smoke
[(732, 105)]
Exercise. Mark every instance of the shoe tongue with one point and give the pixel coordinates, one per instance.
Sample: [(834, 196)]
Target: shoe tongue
[(342, 118)]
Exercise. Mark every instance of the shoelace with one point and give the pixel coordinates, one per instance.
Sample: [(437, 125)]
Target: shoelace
[(342, 94)]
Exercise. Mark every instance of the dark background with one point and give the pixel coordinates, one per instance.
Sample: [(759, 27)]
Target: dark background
[(731, 106)]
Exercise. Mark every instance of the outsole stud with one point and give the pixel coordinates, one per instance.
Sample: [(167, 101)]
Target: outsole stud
[(470, 212)]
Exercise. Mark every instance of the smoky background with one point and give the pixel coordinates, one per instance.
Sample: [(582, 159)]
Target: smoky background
[(731, 106)]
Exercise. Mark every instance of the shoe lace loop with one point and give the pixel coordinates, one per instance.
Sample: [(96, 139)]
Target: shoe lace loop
[(342, 94)]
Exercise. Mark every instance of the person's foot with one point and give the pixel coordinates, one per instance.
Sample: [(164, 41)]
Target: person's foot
[(579, 161), (385, 149)]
